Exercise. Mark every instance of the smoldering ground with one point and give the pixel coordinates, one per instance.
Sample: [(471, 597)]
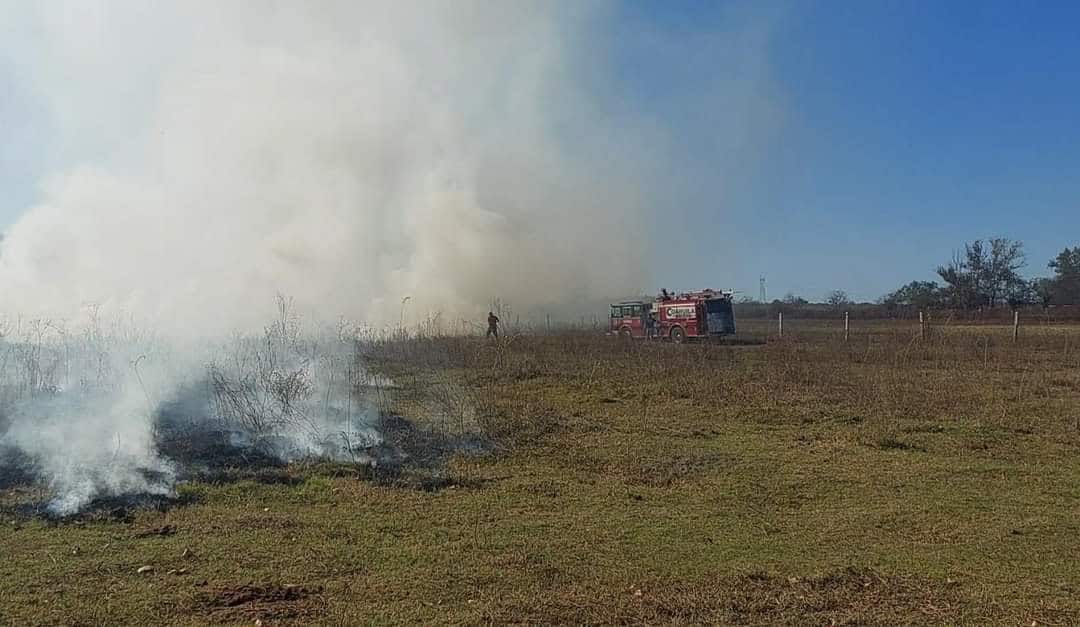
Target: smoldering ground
[(98, 419)]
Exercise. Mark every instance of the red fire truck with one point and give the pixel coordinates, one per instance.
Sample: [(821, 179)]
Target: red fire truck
[(677, 317)]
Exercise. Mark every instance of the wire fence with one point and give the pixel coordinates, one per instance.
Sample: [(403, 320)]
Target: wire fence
[(867, 311), (925, 325)]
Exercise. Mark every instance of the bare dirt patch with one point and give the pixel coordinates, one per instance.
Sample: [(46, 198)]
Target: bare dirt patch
[(263, 601), (851, 596)]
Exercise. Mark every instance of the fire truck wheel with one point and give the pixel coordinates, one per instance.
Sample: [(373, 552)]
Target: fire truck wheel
[(678, 335), (625, 333)]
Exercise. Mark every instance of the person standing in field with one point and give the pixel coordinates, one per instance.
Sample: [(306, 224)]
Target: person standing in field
[(493, 325)]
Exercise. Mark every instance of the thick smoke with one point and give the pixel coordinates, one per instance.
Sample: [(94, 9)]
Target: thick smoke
[(349, 154)]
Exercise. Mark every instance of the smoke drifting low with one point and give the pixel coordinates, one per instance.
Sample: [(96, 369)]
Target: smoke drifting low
[(108, 411)]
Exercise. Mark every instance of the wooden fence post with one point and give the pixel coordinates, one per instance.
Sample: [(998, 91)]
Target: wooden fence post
[(847, 333), (1016, 325), (781, 318), (922, 327)]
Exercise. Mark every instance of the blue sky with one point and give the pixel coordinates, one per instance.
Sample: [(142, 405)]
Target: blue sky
[(902, 130), (826, 145)]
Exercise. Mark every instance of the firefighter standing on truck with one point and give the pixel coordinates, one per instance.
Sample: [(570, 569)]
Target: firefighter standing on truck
[(493, 325)]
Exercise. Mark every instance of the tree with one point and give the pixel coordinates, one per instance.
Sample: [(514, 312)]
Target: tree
[(1043, 289), (791, 299), (961, 289), (1002, 270), (1021, 293), (838, 298), (1065, 288), (918, 294), (1067, 263), (985, 273)]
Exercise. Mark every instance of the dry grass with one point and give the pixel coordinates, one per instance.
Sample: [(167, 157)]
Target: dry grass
[(885, 480)]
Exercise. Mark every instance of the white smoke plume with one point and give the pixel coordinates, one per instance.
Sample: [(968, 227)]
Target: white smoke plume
[(349, 154)]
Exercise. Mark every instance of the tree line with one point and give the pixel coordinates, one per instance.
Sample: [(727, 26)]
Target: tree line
[(986, 274), (983, 275)]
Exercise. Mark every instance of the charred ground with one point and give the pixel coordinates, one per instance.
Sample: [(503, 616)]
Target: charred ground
[(204, 450)]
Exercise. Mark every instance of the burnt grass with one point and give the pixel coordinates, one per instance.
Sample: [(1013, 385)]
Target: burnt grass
[(416, 456), (572, 479), (117, 509), (17, 469), (410, 456)]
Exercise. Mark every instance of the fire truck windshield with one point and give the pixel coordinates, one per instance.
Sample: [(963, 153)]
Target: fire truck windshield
[(626, 311)]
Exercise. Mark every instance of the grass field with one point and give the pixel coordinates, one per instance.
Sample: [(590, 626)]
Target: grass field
[(885, 480)]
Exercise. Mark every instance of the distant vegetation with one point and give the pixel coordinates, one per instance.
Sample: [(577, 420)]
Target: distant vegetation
[(987, 274), (983, 275)]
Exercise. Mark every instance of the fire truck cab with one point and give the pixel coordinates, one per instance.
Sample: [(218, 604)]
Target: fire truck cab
[(677, 317), (631, 318)]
